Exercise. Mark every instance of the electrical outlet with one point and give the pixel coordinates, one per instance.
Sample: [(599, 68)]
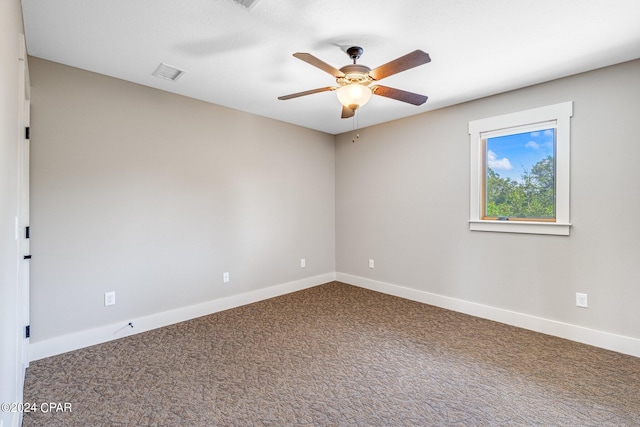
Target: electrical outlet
[(372, 264), (581, 300), (303, 262), (109, 298), (225, 277)]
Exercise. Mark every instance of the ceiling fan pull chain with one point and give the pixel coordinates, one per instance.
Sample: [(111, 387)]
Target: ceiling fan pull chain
[(355, 127)]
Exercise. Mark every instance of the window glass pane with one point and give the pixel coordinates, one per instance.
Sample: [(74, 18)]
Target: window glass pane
[(520, 176)]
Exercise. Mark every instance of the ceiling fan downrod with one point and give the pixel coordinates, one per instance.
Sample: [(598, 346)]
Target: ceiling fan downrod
[(355, 52)]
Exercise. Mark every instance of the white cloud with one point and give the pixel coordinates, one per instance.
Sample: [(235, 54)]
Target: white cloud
[(546, 132), (498, 164), (532, 144)]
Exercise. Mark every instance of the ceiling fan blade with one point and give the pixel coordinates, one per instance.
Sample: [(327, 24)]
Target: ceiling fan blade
[(306, 92), (347, 112), (408, 61), (310, 59), (400, 95)]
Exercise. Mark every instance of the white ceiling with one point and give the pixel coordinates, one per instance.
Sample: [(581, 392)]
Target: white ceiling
[(242, 58)]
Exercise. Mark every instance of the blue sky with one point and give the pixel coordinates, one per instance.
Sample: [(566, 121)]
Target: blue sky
[(510, 155)]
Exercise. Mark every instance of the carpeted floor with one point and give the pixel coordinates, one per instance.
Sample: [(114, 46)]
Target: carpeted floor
[(337, 355)]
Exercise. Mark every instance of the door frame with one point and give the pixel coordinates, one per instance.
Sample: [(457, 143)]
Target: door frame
[(22, 218)]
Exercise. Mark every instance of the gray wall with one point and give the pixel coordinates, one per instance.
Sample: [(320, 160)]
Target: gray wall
[(402, 199), (154, 196)]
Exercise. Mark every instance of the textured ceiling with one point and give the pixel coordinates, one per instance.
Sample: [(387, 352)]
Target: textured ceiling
[(242, 58)]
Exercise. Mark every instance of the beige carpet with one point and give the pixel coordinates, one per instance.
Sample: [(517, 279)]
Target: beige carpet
[(337, 355)]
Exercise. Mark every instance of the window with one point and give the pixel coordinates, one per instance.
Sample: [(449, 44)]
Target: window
[(519, 175), (520, 171)]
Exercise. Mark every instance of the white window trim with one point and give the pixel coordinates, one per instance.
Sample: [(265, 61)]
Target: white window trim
[(558, 113)]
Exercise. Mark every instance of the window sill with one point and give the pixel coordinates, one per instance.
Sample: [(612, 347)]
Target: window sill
[(526, 227)]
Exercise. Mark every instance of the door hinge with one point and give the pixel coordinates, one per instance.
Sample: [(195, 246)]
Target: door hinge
[(27, 132), (27, 257), (27, 331), (26, 232)]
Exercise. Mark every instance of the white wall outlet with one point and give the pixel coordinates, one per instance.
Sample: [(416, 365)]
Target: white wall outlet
[(109, 298), (581, 300), (303, 263), (225, 277), (372, 264)]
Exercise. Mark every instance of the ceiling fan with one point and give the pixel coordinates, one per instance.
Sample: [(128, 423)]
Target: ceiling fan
[(354, 80)]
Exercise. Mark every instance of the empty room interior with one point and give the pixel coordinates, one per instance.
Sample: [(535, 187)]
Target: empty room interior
[(196, 230)]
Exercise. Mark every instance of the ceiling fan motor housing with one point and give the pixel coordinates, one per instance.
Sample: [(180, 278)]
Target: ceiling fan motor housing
[(355, 73)]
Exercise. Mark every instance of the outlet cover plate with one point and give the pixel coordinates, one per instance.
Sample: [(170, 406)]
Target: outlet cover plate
[(109, 298), (581, 300)]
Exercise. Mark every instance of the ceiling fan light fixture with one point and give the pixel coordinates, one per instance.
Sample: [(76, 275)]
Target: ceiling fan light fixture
[(354, 95)]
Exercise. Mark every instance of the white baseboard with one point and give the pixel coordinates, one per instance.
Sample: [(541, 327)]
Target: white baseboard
[(609, 341), (89, 337)]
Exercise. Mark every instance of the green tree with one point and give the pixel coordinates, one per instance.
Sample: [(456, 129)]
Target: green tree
[(499, 191), (532, 197)]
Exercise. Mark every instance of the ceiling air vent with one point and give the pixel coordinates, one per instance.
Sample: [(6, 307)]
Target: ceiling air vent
[(247, 4), (168, 72)]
